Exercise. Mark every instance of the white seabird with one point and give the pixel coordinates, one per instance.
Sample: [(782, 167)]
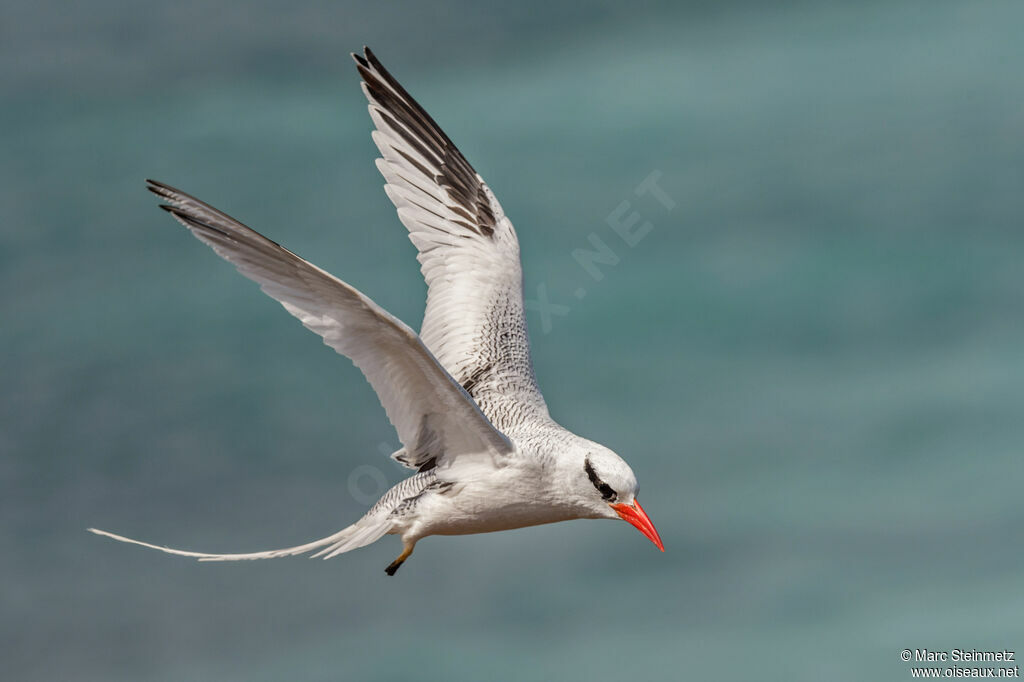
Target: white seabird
[(461, 394)]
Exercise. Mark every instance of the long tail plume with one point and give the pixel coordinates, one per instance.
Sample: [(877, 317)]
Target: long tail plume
[(357, 535)]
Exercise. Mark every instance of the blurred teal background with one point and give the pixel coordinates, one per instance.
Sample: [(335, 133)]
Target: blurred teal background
[(814, 363)]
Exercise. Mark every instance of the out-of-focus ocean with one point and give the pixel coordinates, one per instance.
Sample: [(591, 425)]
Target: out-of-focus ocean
[(814, 361)]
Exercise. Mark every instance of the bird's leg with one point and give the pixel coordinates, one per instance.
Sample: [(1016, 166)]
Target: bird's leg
[(406, 551)]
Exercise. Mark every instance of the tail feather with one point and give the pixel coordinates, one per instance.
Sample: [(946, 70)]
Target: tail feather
[(361, 537), (359, 534)]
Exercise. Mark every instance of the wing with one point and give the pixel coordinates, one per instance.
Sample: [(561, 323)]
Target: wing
[(435, 418), (468, 253)]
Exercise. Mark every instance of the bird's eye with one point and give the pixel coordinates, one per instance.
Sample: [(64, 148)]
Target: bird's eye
[(607, 494)]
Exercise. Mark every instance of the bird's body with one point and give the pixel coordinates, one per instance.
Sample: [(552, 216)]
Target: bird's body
[(461, 394)]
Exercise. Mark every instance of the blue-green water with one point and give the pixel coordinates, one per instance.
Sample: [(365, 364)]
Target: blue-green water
[(814, 362)]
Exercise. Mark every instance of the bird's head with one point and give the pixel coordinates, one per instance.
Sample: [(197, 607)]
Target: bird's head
[(607, 489)]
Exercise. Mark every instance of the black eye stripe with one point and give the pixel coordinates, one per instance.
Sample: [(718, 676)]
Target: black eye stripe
[(606, 490)]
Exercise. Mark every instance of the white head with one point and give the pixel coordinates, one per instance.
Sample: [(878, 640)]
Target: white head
[(605, 488)]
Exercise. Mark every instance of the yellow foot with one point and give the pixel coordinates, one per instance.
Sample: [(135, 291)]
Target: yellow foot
[(397, 563)]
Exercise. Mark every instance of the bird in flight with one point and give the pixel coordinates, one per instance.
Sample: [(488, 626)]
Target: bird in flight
[(461, 394)]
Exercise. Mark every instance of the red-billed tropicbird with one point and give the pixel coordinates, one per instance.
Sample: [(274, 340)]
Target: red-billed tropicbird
[(461, 394)]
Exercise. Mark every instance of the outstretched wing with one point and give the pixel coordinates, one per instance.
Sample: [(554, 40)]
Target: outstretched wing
[(468, 253), (435, 418)]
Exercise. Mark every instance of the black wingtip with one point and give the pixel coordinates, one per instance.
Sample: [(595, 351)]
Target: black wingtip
[(159, 188), (179, 213), (194, 223)]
